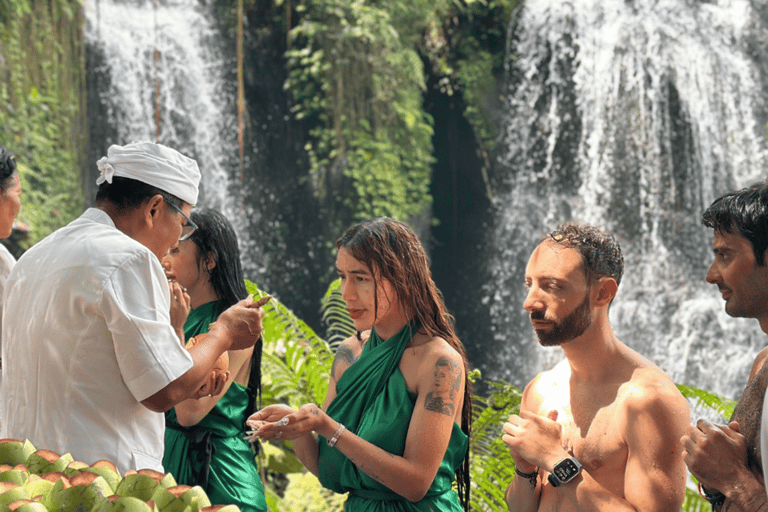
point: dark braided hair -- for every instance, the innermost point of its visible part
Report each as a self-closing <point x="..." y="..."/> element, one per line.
<point x="215" y="238"/>
<point x="395" y="250"/>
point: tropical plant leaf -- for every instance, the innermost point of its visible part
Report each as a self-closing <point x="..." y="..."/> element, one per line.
<point x="296" y="362"/>
<point x="336" y="316"/>
<point x="491" y="467"/>
<point x="722" y="405"/>
<point x="694" y="502"/>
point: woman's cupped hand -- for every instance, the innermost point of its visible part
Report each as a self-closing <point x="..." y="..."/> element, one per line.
<point x="280" y="421"/>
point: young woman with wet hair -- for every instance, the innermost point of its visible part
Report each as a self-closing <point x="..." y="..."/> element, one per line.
<point x="393" y="430"/>
<point x="203" y="438"/>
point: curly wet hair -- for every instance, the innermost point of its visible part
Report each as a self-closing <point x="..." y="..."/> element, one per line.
<point x="600" y="252"/>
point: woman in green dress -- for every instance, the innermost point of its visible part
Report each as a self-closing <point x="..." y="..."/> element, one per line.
<point x="393" y="429"/>
<point x="204" y="438"/>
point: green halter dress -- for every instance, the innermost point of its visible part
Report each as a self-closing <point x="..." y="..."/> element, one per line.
<point x="374" y="402"/>
<point x="212" y="453"/>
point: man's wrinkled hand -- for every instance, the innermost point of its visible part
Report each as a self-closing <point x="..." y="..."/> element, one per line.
<point x="242" y="323"/>
<point x="715" y="454"/>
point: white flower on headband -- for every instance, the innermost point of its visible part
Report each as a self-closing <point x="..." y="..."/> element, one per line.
<point x="107" y="171"/>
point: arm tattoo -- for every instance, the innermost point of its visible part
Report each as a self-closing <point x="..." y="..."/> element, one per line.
<point x="445" y="386"/>
<point x="345" y="358"/>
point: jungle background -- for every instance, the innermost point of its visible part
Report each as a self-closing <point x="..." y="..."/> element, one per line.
<point x="346" y="110"/>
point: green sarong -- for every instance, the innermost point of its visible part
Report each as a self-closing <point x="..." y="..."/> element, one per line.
<point x="214" y="450"/>
<point x="373" y="401"/>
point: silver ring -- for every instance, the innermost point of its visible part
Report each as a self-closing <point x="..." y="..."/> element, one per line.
<point x="279" y="434"/>
<point x="175" y="298"/>
<point x="282" y="422"/>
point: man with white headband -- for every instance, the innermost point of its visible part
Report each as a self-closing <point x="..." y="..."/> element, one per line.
<point x="92" y="359"/>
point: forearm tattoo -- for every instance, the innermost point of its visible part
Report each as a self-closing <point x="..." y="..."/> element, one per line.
<point x="345" y="358"/>
<point x="445" y="387"/>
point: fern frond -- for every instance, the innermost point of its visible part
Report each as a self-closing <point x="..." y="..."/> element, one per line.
<point x="491" y="467"/>
<point x="336" y="316"/>
<point x="722" y="405"/>
<point x="296" y="364"/>
<point x="694" y="502"/>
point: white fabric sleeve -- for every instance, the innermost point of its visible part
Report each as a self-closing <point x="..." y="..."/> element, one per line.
<point x="136" y="304"/>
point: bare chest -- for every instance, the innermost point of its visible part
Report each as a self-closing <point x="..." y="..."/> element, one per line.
<point x="592" y="430"/>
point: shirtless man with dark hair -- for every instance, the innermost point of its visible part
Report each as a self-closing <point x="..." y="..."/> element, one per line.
<point x="726" y="459"/>
<point x="601" y="430"/>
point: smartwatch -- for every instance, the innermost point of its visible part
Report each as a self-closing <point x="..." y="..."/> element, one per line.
<point x="564" y="471"/>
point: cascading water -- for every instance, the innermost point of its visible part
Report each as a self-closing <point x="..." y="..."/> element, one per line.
<point x="173" y="52"/>
<point x="633" y="116"/>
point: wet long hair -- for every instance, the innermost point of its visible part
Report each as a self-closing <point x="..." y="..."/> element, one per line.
<point x="215" y="238"/>
<point x="392" y="251"/>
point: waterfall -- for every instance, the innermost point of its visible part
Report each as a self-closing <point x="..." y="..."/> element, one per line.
<point x="633" y="116"/>
<point x="176" y="49"/>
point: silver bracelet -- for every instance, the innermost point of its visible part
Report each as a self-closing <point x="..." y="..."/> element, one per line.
<point x="332" y="441"/>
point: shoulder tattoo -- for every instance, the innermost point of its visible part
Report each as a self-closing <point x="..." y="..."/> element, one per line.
<point x="446" y="383"/>
<point x="345" y="358"/>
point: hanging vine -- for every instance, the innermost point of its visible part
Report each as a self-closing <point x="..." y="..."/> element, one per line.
<point x="357" y="81"/>
<point x="42" y="87"/>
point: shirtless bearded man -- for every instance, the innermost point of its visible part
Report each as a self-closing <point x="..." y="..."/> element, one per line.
<point x="600" y="431"/>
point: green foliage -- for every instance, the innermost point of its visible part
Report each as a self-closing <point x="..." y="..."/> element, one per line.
<point x="467" y="51"/>
<point x="357" y="83"/>
<point x="303" y="485"/>
<point x="491" y="466"/>
<point x="722" y="405"/>
<point x="335" y="316"/>
<point x="297" y="363"/>
<point x="296" y="367"/>
<point x="694" y="502"/>
<point x="41" y="75"/>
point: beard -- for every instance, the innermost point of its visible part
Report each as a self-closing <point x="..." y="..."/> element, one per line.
<point x="569" y="328"/>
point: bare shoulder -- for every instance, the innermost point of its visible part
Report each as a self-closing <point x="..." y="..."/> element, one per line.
<point x="548" y="386"/>
<point x="431" y="351"/>
<point x="759" y="361"/>
<point x="651" y="391"/>
<point x="347" y="354"/>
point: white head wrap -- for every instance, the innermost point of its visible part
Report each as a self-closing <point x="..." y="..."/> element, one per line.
<point x="153" y="164"/>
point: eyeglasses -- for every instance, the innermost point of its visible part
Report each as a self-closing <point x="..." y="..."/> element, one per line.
<point x="188" y="228"/>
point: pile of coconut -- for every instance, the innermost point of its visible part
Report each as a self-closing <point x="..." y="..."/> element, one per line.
<point x="34" y="480"/>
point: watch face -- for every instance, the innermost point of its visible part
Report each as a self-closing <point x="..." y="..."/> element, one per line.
<point x="565" y="470"/>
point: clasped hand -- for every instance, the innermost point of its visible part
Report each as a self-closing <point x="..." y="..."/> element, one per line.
<point x="715" y="454"/>
<point x="534" y="439"/>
